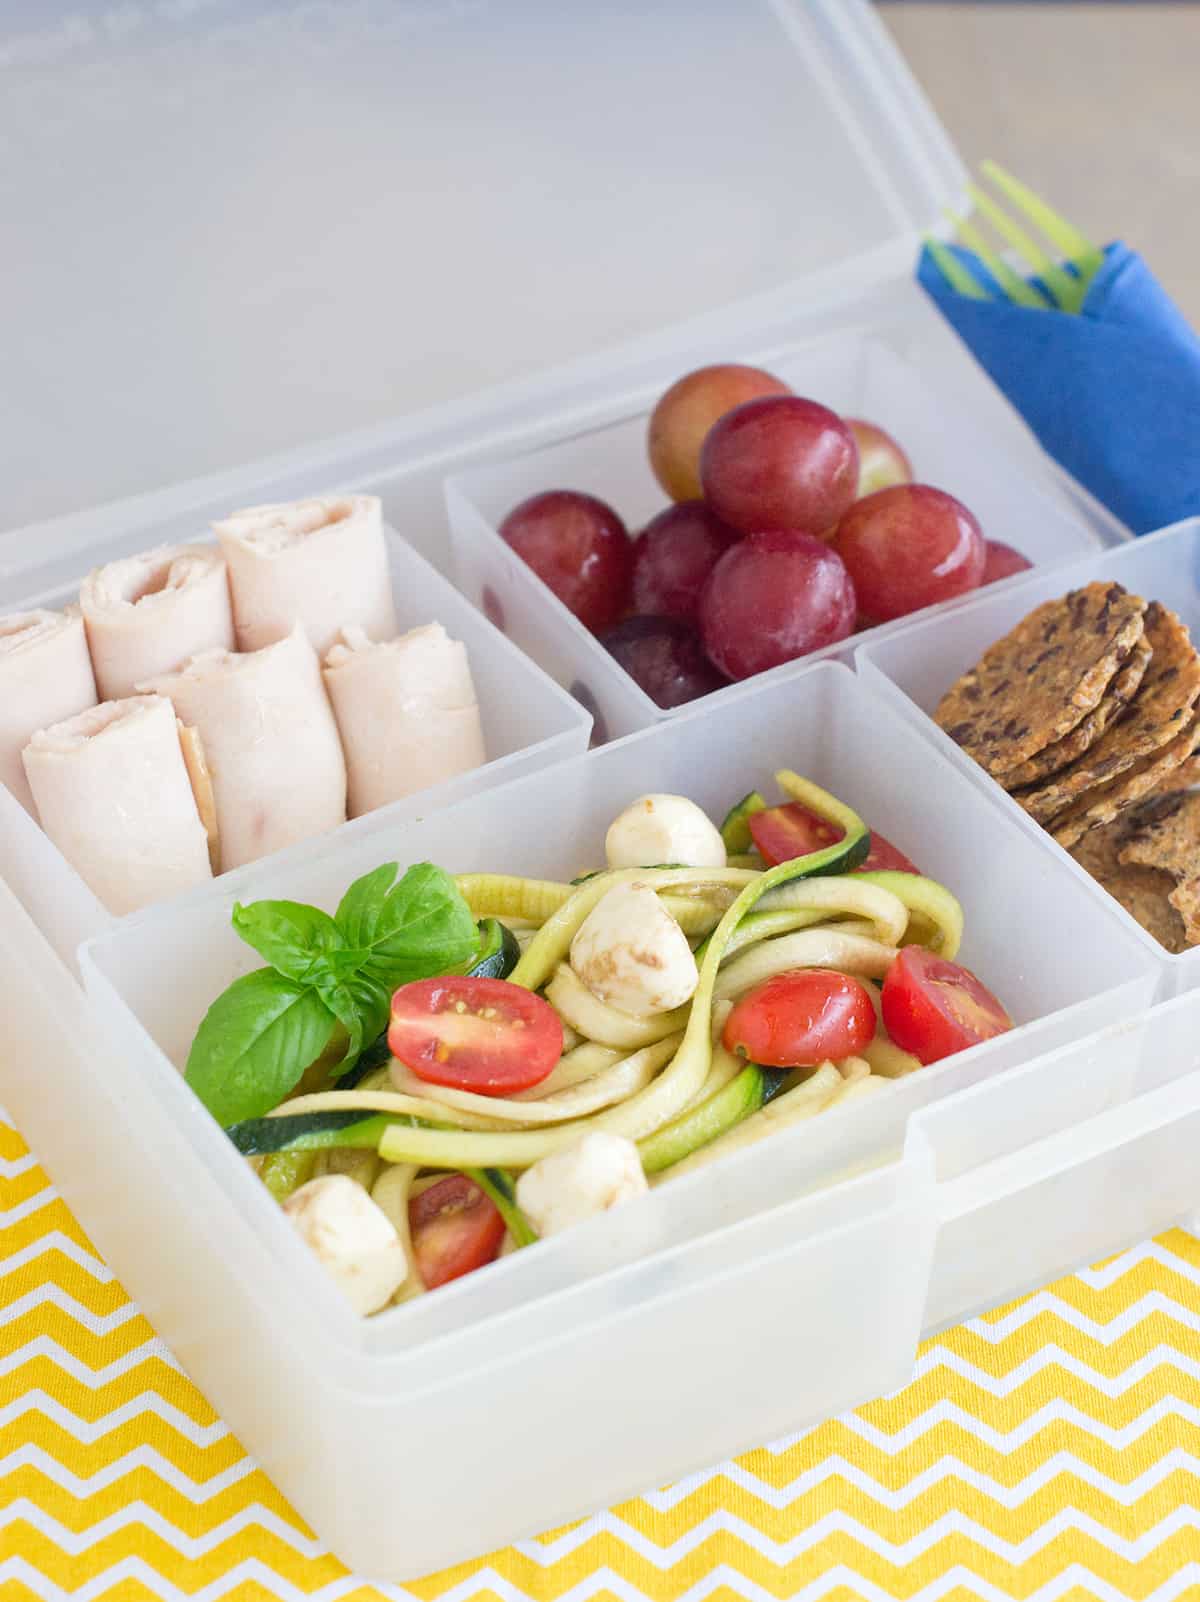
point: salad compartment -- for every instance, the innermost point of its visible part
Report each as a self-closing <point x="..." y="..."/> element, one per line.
<point x="913" y="668"/>
<point x="876" y="373"/>
<point x="528" y="722"/>
<point x="615" y="1329"/>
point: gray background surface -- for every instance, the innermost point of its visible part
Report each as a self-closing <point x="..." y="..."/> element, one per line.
<point x="1096" y="106"/>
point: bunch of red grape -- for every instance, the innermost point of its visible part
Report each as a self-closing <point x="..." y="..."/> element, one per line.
<point x="791" y="528"/>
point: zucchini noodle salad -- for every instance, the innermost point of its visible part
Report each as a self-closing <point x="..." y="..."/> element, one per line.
<point x="449" y="1068"/>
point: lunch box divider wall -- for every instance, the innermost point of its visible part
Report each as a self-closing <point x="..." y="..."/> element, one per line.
<point x="915" y="666"/>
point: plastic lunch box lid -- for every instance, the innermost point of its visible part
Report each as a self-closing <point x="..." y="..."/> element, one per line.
<point x="237" y="227"/>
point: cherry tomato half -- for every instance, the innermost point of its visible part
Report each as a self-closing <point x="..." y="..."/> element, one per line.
<point x="455" y="1228"/>
<point x="475" y="1034"/>
<point x="781" y="833"/>
<point x="799" y="1019"/>
<point x="933" y="1008"/>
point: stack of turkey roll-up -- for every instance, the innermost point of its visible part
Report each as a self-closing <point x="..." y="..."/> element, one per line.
<point x="205" y="705"/>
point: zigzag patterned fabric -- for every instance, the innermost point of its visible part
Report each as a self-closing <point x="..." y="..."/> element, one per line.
<point x="1048" y="1451"/>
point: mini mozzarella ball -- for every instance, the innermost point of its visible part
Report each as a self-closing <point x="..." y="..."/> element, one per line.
<point x="664" y="828"/>
<point x="353" y="1239"/>
<point x="630" y="952"/>
<point x="592" y="1177"/>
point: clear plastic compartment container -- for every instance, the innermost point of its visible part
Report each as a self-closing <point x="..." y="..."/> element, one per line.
<point x="874" y="374"/>
<point x="624" y="1318"/>
<point x="913" y="668"/>
<point x="528" y="721"/>
<point x="416" y="292"/>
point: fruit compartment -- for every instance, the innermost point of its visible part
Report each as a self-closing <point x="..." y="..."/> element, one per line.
<point x="527" y="722"/>
<point x="860" y="374"/>
<point x="837" y="1215"/>
<point x="913" y="668"/>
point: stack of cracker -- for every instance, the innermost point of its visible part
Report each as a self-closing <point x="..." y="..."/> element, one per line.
<point x="1086" y="713"/>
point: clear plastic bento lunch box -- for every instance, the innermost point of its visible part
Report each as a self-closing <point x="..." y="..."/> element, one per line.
<point x="466" y="197"/>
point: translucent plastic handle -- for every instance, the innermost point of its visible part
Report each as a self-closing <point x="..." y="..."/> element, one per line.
<point x="1062" y="1163"/>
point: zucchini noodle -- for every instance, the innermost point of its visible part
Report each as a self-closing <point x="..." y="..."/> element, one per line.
<point x="383" y="1101"/>
<point x="390" y="1193"/>
<point x="805" y="1101"/>
<point x="932" y="900"/>
<point x="601" y="1090"/>
<point x="574" y="1067"/>
<point x="598" y="1021"/>
<point x="887" y="1060"/>
<point x="856" y="894"/>
<point x="811" y="948"/>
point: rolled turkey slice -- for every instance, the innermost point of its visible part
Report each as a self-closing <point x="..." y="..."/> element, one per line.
<point x="113" y="792"/>
<point x="321" y="564"/>
<point x="45" y="676"/>
<point x="406" y="710"/>
<point x="147" y="614"/>
<point x="270" y="743"/>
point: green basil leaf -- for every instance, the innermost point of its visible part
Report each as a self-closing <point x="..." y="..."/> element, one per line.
<point x="361" y="907"/>
<point x="374" y="1000"/>
<point x="343" y="1004"/>
<point x="295" y="939"/>
<point x="423" y="928"/>
<point x="254" y="1044"/>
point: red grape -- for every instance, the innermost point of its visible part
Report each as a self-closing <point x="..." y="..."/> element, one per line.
<point x="579" y="548"/>
<point x="1002" y="562"/>
<point x="781" y="462"/>
<point x="909" y="546"/>
<point x="774" y="596"/>
<point x="665" y="657"/>
<point x="672" y="557"/>
<point x="688" y="410"/>
<point x="881" y="462"/>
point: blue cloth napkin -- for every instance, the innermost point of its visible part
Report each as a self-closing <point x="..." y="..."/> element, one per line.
<point x="1112" y="392"/>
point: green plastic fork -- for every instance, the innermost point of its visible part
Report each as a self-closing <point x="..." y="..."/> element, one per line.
<point x="1059" y="286"/>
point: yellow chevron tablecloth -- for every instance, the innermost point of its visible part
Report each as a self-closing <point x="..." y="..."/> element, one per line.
<point x="1050" y="1450"/>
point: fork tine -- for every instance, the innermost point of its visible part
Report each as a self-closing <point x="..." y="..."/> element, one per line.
<point x="1062" y="287"/>
<point x="1075" y="246"/>
<point x="956" y="273"/>
<point x="1013" y="285"/>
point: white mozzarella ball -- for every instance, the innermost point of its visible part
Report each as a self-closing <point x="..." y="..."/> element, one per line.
<point x="658" y="829"/>
<point x="589" y="1178"/>
<point x="630" y="952"/>
<point x="353" y="1239"/>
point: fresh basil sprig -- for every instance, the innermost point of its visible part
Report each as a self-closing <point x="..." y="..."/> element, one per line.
<point x="260" y="1035"/>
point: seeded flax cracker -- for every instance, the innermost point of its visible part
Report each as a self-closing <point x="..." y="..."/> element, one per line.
<point x="1166" y="838"/>
<point x="1185" y="777"/>
<point x="1061" y="753"/>
<point x="1143" y="892"/>
<point x="1104" y="803"/>
<point x="1041" y="680"/>
<point x="1162" y="707"/>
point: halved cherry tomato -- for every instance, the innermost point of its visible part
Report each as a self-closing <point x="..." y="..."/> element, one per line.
<point x="799" y="1019"/>
<point x="455" y="1228"/>
<point x="475" y="1034"/>
<point x="933" y="1008"/>
<point x="781" y="833"/>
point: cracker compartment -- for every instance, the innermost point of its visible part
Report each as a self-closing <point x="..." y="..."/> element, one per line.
<point x="916" y="667"/>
